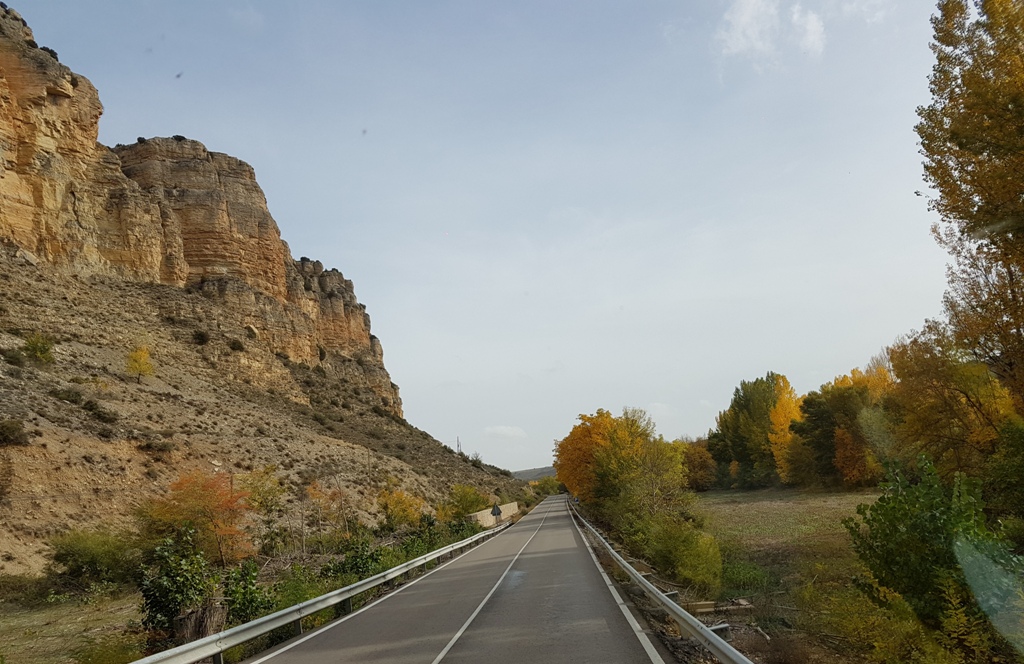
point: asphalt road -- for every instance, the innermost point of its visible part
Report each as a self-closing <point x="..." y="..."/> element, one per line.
<point x="534" y="593"/>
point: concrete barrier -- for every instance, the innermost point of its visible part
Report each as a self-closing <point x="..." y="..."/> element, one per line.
<point x="486" y="519"/>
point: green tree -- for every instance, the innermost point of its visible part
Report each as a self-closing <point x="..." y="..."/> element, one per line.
<point x="741" y="442"/>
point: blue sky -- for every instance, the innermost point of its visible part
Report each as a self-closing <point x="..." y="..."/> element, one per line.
<point x="554" y="207"/>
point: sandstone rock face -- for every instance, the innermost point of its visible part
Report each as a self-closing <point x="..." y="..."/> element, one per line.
<point x="62" y="195"/>
<point x="163" y="210"/>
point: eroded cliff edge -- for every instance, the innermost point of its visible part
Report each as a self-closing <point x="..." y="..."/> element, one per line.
<point x="162" y="210"/>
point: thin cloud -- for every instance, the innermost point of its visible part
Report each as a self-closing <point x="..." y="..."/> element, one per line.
<point x="750" y="27"/>
<point x="810" y="30"/>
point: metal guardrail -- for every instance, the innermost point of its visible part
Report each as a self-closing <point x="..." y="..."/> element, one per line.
<point x="215" y="644"/>
<point x="687" y="623"/>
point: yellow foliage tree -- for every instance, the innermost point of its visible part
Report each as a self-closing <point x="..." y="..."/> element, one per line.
<point x="399" y="509"/>
<point x="575" y="464"/>
<point x="462" y="500"/>
<point x="785" y="411"/>
<point x="139" y="363"/>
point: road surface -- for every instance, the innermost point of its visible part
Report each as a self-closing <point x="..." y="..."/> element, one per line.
<point x="534" y="593"/>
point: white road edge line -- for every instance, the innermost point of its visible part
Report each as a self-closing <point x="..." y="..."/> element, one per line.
<point x="338" y="621"/>
<point x="640" y="634"/>
<point x="462" y="630"/>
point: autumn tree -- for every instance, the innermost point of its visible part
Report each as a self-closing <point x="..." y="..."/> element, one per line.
<point x="970" y="133"/>
<point x="972" y="139"/>
<point x="946" y="404"/>
<point x="138" y="363"/>
<point x="462" y="500"/>
<point x="784" y="412"/>
<point x="701" y="469"/>
<point x="399" y="509"/>
<point x="208" y="504"/>
<point x="837" y="433"/>
<point x="636" y="483"/>
<point x="575" y="454"/>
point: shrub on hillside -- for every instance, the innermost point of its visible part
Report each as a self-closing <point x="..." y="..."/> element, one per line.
<point x="100" y="413"/>
<point x="83" y="557"/>
<point x="69" y="394"/>
<point x="12" y="432"/>
<point x="14" y="357"/>
<point x="39" y="348"/>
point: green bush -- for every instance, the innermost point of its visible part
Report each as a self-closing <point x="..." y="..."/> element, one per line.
<point x="69" y="394"/>
<point x="100" y="413"/>
<point x="84" y="557"/>
<point x="39" y="348"/>
<point x="686" y="555"/>
<point x="908" y="539"/>
<point x="179" y="579"/>
<point x="12" y="432"/>
<point x="246" y="599"/>
<point x="297" y="585"/>
<point x="743" y="577"/>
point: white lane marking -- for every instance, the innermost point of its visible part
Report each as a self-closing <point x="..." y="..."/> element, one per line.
<point x="640" y="634"/>
<point x="463" y="629"/>
<point x="338" y="621"/>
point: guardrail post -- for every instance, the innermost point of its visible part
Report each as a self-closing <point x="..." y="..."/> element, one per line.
<point x="218" y="658"/>
<point x="346" y="605"/>
<point x="297" y="627"/>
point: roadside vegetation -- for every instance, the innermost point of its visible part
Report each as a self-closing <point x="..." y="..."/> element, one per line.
<point x="213" y="553"/>
<point x="928" y="566"/>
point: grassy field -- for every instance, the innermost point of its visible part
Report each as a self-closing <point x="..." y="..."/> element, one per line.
<point x="779" y="533"/>
<point x="61" y="633"/>
<point x="788" y="552"/>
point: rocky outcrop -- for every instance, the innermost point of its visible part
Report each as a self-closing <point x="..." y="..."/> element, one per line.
<point x="62" y="195"/>
<point x="162" y="210"/>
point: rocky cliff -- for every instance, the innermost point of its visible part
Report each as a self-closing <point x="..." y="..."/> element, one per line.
<point x="259" y="361"/>
<point x="162" y="210"/>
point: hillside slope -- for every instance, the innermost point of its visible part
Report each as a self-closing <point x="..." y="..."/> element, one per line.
<point x="259" y="359"/>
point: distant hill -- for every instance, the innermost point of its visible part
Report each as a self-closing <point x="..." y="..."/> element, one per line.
<point x="534" y="473"/>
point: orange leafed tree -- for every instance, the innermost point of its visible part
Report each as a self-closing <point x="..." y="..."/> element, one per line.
<point x="575" y="455"/>
<point x="209" y="504"/>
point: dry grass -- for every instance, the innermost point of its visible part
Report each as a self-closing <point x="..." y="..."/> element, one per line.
<point x="774" y="542"/>
<point x="51" y="634"/>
